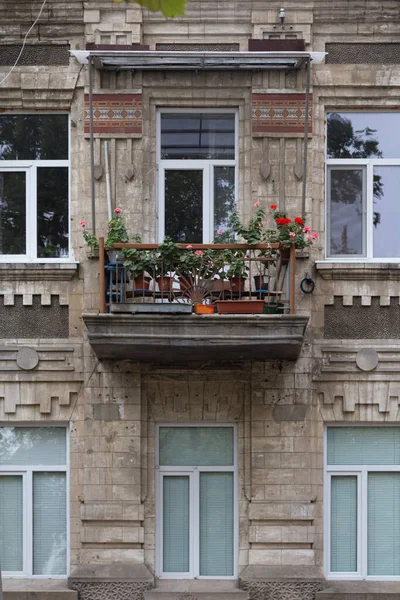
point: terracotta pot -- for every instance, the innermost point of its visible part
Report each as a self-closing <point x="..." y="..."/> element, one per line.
<point x="204" y="309"/>
<point x="220" y="285"/>
<point x="261" y="282"/>
<point x="185" y="283"/>
<point x="240" y="307"/>
<point x="141" y="282"/>
<point x="164" y="283"/>
<point x="237" y="284"/>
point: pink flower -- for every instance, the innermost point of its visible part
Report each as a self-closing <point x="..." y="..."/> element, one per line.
<point x="308" y="239"/>
<point x="314" y="235"/>
<point x="117" y="210"/>
<point x="189" y="247"/>
<point x="306" y="229"/>
<point x="199" y="253"/>
<point x="220" y="232"/>
<point x="256" y="203"/>
<point x="292" y="234"/>
<point x="83" y="223"/>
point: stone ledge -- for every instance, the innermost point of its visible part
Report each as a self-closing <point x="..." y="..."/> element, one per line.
<point x="111" y="572"/>
<point x="360" y="590"/>
<point x="38" y="271"/>
<point x="38" y="589"/>
<point x="358" y="271"/>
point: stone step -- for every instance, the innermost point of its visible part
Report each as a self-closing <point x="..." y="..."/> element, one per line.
<point x="195" y="595"/>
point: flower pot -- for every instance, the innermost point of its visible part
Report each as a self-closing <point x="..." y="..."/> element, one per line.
<point x="113" y="255"/>
<point x="240" y="307"/>
<point x="164" y="283"/>
<point x="261" y="283"/>
<point x="185" y="282"/>
<point x="141" y="282"/>
<point x="204" y="309"/>
<point x="220" y="285"/>
<point x="237" y="284"/>
<point x="284" y="254"/>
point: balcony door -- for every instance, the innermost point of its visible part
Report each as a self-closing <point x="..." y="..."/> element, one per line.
<point x="196" y="533"/>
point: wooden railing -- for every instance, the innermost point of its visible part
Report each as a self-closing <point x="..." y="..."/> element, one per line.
<point x="201" y="273"/>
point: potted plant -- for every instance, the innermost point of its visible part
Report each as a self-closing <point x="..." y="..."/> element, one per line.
<point x="117" y="234"/>
<point x="165" y="263"/>
<point x="90" y="239"/>
<point x="140" y="264"/>
<point x="237" y="271"/>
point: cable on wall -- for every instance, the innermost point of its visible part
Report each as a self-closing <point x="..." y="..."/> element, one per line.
<point x="23" y="43"/>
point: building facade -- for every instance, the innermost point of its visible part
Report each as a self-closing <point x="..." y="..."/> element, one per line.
<point x="146" y="455"/>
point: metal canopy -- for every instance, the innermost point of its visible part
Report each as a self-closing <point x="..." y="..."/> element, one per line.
<point x="128" y="60"/>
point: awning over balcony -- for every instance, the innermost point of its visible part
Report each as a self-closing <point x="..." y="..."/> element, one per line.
<point x="133" y="60"/>
<point x="172" y="339"/>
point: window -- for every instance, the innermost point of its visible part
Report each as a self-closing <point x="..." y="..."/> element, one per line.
<point x="34" y="187"/>
<point x="33" y="501"/>
<point x="363" y="179"/>
<point x="362" y="503"/>
<point x="196" y="502"/>
<point x="197" y="175"/>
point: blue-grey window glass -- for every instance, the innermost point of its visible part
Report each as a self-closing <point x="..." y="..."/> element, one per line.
<point x="176" y="524"/>
<point x="346" y="211"/>
<point x="198" y="136"/>
<point x="343" y="524"/>
<point x="196" y="446"/>
<point x="21" y="446"/>
<point x="364" y="446"/>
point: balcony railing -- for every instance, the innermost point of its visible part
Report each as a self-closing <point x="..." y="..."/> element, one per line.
<point x="203" y="274"/>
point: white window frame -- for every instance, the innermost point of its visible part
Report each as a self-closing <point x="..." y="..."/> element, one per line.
<point x="194" y="508"/>
<point x="361" y="472"/>
<point x="30" y="168"/>
<point x="207" y="166"/>
<point x="27" y="471"/>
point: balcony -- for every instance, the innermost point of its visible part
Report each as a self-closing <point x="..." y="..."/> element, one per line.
<point x="218" y="302"/>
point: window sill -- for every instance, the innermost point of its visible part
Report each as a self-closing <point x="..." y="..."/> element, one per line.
<point x="38" y="271"/>
<point x="358" y="271"/>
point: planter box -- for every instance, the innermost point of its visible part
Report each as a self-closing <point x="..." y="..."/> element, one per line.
<point x="240" y="307"/>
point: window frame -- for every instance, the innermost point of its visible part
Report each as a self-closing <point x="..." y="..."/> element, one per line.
<point x="30" y="167"/>
<point x="27" y="471"/>
<point x="194" y="164"/>
<point x="361" y="472"/>
<point x="368" y="165"/>
<point x="194" y="505"/>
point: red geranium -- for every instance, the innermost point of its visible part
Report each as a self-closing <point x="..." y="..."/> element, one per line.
<point x="299" y="220"/>
<point x="273" y="206"/>
<point x="282" y="221"/>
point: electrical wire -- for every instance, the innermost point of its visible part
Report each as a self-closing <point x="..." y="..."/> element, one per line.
<point x="23" y="43"/>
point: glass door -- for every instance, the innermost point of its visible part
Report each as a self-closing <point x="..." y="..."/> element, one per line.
<point x="11" y="523"/>
<point x="196" y="505"/>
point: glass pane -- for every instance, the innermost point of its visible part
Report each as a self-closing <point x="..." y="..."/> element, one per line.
<point x="12" y="212"/>
<point x="196" y="446"/>
<point x="198" y="136"/>
<point x="344" y="524"/>
<point x="364" y="446"/>
<point x="176" y="524"/>
<point x="49" y="524"/>
<point x="11" y="528"/>
<point x="216" y="524"/>
<point x="383" y="524"/>
<point x="346" y="211"/>
<point x="224" y="202"/>
<point x="33" y="446"/>
<point x="363" y="135"/>
<point x="386" y="212"/>
<point x="184" y="205"/>
<point x="52" y="212"/>
<point x="33" y="137"/>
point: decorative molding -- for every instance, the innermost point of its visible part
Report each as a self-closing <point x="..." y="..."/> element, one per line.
<point x="362" y="271"/>
<point x="281" y="115"/>
<point x="287" y="590"/>
<point x="38" y="271"/>
<point x="114" y="114"/>
<point x="110" y="590"/>
<point x="54" y="377"/>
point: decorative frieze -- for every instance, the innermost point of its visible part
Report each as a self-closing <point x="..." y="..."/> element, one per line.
<point x="114" y="114"/>
<point x="281" y="115"/>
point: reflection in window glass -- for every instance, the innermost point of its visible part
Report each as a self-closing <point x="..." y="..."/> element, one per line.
<point x="363" y="135"/>
<point x="33" y="137"/>
<point x="11" y="523"/>
<point x="224" y="201"/>
<point x="184" y="205"/>
<point x="346" y="211"/>
<point x="12" y="212"/>
<point x="386" y="219"/>
<point x="52" y="212"/>
<point x="33" y="446"/>
<point x="197" y="136"/>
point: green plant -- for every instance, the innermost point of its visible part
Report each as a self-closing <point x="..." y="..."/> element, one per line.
<point x="168" y="253"/>
<point x="138" y="262"/>
<point x="117" y="232"/>
<point x="90" y="239"/>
